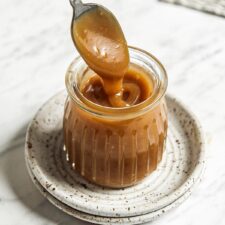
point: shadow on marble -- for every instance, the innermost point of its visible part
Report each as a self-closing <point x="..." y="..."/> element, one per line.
<point x="19" y="181"/>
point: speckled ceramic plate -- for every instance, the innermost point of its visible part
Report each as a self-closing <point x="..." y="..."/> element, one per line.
<point x="108" y="220"/>
<point x="181" y="166"/>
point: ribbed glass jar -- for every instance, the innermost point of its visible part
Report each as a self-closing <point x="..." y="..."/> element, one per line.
<point x="115" y="147"/>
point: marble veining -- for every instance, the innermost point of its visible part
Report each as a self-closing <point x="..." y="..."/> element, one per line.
<point x="36" y="50"/>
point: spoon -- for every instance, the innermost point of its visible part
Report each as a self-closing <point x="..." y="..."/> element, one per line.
<point x="99" y="39"/>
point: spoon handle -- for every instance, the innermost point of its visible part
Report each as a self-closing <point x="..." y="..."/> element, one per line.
<point x="79" y="8"/>
<point x="75" y="2"/>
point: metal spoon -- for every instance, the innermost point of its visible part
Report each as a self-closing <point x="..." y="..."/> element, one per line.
<point x="100" y="41"/>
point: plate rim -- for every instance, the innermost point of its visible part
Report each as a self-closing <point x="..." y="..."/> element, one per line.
<point x="138" y="219"/>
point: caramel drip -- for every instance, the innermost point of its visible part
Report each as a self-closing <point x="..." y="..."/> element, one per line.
<point x="101" y="42"/>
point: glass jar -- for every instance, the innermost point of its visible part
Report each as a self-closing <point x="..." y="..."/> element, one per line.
<point x="115" y="147"/>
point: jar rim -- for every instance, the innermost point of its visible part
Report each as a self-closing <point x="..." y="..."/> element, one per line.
<point x="113" y="112"/>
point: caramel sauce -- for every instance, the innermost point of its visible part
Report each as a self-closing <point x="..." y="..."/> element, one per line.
<point x="101" y="42"/>
<point x="114" y="153"/>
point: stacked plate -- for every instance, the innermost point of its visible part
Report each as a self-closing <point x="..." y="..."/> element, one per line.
<point x="173" y="181"/>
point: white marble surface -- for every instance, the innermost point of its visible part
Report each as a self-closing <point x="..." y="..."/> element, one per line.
<point x="35" y="50"/>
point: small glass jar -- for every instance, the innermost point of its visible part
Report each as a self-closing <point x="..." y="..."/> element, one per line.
<point x="115" y="147"/>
